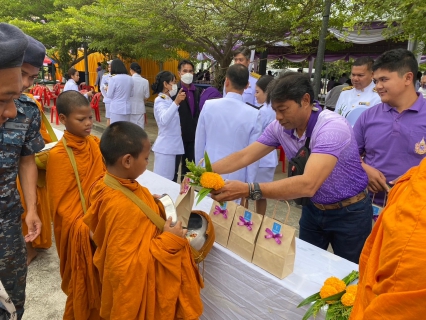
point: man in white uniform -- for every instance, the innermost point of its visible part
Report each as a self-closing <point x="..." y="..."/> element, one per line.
<point x="229" y="124"/>
<point x="104" y="87"/>
<point x="362" y="92"/>
<point x="140" y="95"/>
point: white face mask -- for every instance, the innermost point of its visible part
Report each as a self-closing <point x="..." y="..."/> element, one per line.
<point x="187" y="78"/>
<point x="173" y="91"/>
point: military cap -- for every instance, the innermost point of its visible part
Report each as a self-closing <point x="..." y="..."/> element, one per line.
<point x="13" y="43"/>
<point x="35" y="53"/>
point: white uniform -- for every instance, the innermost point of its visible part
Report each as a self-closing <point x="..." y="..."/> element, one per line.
<point x="120" y="89"/>
<point x="249" y="93"/>
<point x="351" y="98"/>
<point x="225" y="126"/>
<point x="268" y="163"/>
<point x="72" y="86"/>
<point x="137" y="102"/>
<point x="169" y="139"/>
<point x="104" y="85"/>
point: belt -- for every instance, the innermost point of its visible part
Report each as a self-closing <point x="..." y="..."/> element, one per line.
<point x="347" y="202"/>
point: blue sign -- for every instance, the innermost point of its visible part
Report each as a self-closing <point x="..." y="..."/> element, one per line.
<point x="276" y="228"/>
<point x="247" y="216"/>
<point x="223" y="205"/>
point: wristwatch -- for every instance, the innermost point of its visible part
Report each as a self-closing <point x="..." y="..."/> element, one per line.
<point x="255" y="193"/>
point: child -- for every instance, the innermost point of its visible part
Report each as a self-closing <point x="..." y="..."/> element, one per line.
<point x="145" y="273"/>
<point x="80" y="281"/>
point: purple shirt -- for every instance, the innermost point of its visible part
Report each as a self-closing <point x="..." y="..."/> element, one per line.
<point x="332" y="135"/>
<point x="189" y="96"/>
<point x="392" y="142"/>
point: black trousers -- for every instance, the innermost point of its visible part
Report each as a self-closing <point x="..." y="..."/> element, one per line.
<point x="180" y="159"/>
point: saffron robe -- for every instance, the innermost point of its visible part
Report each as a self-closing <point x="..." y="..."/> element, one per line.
<point x="145" y="274"/>
<point x="80" y="281"/>
<point x="392" y="284"/>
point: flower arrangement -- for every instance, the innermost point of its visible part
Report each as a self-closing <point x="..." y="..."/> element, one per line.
<point x="337" y="294"/>
<point x="203" y="177"/>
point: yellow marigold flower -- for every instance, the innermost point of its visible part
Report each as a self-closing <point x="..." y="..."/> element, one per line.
<point x="336" y="283"/>
<point x="328" y="291"/>
<point x="211" y="180"/>
<point x="348" y="299"/>
<point x="352" y="289"/>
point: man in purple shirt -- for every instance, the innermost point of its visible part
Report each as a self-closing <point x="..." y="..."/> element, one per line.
<point x="391" y="135"/>
<point x="339" y="211"/>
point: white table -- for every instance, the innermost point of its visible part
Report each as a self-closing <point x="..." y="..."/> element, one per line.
<point x="236" y="289"/>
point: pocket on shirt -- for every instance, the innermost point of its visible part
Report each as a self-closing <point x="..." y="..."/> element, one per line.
<point x="14" y="137"/>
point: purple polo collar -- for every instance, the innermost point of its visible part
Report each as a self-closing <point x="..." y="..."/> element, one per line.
<point x="191" y="87"/>
<point x="311" y="123"/>
<point x="415" y="107"/>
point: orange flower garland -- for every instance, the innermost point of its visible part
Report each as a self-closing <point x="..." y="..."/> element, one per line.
<point x="211" y="180"/>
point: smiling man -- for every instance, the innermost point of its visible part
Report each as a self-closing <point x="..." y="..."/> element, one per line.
<point x="362" y="92"/>
<point x="339" y="210"/>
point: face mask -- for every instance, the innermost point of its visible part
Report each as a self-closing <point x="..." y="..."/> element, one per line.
<point x="187" y="78"/>
<point x="173" y="91"/>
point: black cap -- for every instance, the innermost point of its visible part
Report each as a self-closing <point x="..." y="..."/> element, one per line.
<point x="13" y="43"/>
<point x="136" y="67"/>
<point x="35" y="53"/>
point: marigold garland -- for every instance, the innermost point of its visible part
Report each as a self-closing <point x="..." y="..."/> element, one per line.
<point x="348" y="299"/>
<point x="211" y="180"/>
<point x="352" y="289"/>
<point x="328" y="291"/>
<point x="336" y="283"/>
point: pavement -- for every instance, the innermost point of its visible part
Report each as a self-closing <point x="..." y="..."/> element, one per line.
<point x="45" y="299"/>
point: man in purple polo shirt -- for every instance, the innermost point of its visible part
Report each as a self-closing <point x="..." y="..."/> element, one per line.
<point x="340" y="211"/>
<point x="391" y="135"/>
<point x="189" y="111"/>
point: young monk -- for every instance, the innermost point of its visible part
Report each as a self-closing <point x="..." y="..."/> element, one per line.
<point x="146" y="273"/>
<point x="80" y="281"/>
<point x="392" y="284"/>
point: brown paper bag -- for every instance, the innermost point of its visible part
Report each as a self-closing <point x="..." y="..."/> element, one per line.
<point x="244" y="232"/>
<point x="183" y="204"/>
<point x="276" y="247"/>
<point x="222" y="217"/>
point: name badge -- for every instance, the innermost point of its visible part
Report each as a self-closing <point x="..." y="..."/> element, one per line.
<point x="16" y="126"/>
<point x="247" y="216"/>
<point x="276" y="228"/>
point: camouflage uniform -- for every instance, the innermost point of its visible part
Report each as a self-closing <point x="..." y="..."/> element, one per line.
<point x="18" y="137"/>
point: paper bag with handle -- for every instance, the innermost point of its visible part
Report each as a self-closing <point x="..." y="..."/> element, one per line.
<point x="276" y="247"/>
<point x="222" y="216"/>
<point x="244" y="230"/>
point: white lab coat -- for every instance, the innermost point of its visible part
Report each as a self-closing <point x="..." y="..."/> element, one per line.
<point x="225" y="126"/>
<point x="249" y="93"/>
<point x="120" y="89"/>
<point x="140" y="93"/>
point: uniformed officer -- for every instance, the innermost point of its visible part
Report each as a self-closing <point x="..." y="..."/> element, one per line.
<point x="362" y="92"/>
<point x="19" y="141"/>
<point x="242" y="56"/>
<point x="104" y="87"/>
<point x="169" y="140"/>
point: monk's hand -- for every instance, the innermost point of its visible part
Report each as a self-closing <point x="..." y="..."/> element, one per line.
<point x="177" y="229"/>
<point x="34" y="226"/>
<point x="232" y="190"/>
<point x="376" y="179"/>
<point x="157" y="196"/>
<point x="184" y="186"/>
<point x="394" y="181"/>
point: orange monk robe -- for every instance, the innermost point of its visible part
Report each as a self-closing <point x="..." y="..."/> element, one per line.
<point x="144" y="274"/>
<point x="392" y="282"/>
<point x="45" y="239"/>
<point x="80" y="281"/>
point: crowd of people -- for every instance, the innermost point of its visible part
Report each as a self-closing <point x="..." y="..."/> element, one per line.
<point x="116" y="264"/>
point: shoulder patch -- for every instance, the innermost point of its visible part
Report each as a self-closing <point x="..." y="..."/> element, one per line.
<point x="374" y="89"/>
<point x="255" y="75"/>
<point x="162" y="96"/>
<point x="253" y="106"/>
<point x="347" y="88"/>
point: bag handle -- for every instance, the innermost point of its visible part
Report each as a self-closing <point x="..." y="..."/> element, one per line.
<point x="288" y="211"/>
<point x="77" y="177"/>
<point x="48" y="127"/>
<point x="159" y="222"/>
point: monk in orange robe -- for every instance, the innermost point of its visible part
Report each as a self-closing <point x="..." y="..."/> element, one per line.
<point x="44" y="241"/>
<point x="145" y="273"/>
<point x="392" y="284"/>
<point x="80" y="281"/>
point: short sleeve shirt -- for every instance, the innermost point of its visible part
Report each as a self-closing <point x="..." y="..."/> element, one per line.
<point x="18" y="137"/>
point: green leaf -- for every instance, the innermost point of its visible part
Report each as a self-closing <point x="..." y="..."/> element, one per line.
<point x="337" y="296"/>
<point x="207" y="162"/>
<point x="313" y="310"/>
<point x="351" y="277"/>
<point x="310" y="299"/>
<point x="202" y="194"/>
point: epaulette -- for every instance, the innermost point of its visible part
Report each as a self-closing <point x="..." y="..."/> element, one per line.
<point x="162" y="96"/>
<point x="255" y="75"/>
<point x="347" y="88"/>
<point x="253" y="106"/>
<point x="374" y="89"/>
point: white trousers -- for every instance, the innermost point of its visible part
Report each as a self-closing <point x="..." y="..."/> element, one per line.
<point x="138" y="119"/>
<point x="265" y="174"/>
<point x="164" y="165"/>
<point x="107" y="112"/>
<point x="119" y="117"/>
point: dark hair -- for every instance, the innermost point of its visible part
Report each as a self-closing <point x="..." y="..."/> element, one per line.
<point x="238" y="74"/>
<point x="118" y="67"/>
<point x="69" y="100"/>
<point x="136" y="67"/>
<point x="290" y="86"/>
<point x="364" y="61"/>
<point x="183" y="62"/>
<point x="349" y="82"/>
<point x="398" y="60"/>
<point x="99" y="64"/>
<point x="244" y="51"/>
<point x="71" y="72"/>
<point x="121" y="138"/>
<point x="158" y="86"/>
<point x="263" y="82"/>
